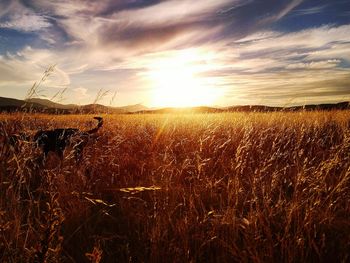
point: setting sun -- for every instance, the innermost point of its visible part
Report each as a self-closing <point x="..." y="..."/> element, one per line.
<point x="178" y="82"/>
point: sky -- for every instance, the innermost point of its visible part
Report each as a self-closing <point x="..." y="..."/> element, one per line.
<point x="177" y="52"/>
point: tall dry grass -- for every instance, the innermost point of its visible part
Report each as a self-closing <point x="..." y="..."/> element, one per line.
<point x="236" y="187"/>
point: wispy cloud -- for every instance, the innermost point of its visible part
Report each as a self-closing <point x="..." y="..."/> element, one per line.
<point x="81" y="94"/>
<point x="18" y="17"/>
<point x="275" y="66"/>
<point x="310" y="10"/>
<point x="26" y="22"/>
<point x="332" y="63"/>
<point x="284" y="11"/>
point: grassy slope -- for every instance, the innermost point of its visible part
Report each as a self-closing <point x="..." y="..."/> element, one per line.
<point x="248" y="187"/>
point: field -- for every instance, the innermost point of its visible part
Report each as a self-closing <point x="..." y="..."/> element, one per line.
<point x="228" y="187"/>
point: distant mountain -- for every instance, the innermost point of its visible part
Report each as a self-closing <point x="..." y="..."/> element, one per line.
<point x="50" y="104"/>
<point x="337" y="106"/>
<point x="251" y="108"/>
<point x="8" y="104"/>
<point x="202" y="109"/>
<point x="47" y="106"/>
<point x="97" y="108"/>
<point x="310" y="107"/>
<point x="90" y="107"/>
<point x="134" y="108"/>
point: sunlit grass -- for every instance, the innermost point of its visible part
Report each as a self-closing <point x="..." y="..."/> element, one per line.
<point x="231" y="187"/>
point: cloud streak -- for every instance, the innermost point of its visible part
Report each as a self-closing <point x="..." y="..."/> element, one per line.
<point x="26" y="22"/>
<point x="18" y="17"/>
<point x="311" y="10"/>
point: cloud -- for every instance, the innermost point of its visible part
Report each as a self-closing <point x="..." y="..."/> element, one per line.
<point x="16" y="16"/>
<point x="284" y="11"/>
<point x="6" y="6"/>
<point x="314" y="38"/>
<point x="310" y="11"/>
<point x="26" y="22"/>
<point x="140" y="29"/>
<point x="15" y="70"/>
<point x="310" y="66"/>
<point x="174" y="12"/>
<point x="332" y="63"/>
<point x="155" y="25"/>
<point x="81" y="93"/>
<point x="291" y="87"/>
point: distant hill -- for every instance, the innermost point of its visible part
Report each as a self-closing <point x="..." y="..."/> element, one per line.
<point x="251" y="108"/>
<point x="337" y="106"/>
<point x="134" y="108"/>
<point x="8" y="104"/>
<point x="47" y="106"/>
<point x="310" y="107"/>
<point x="50" y="104"/>
<point x="202" y="109"/>
<point x="97" y="108"/>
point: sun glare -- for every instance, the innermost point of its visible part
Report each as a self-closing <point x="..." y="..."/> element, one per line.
<point x="178" y="81"/>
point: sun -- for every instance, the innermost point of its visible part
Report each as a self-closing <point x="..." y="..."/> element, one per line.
<point x="178" y="81"/>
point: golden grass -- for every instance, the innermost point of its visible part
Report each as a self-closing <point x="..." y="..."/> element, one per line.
<point x="235" y="187"/>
